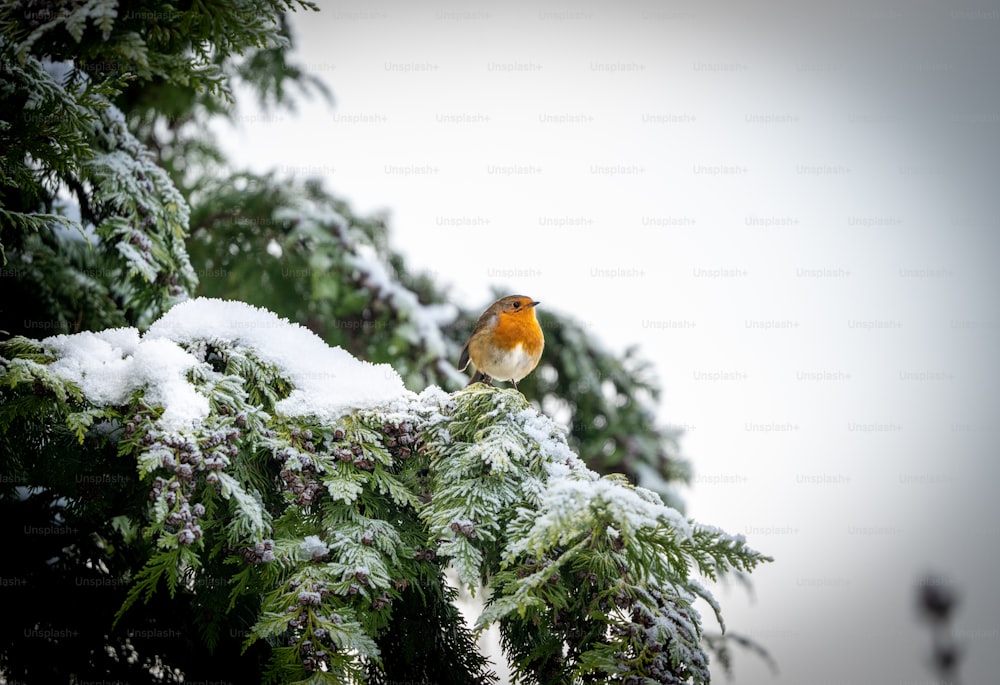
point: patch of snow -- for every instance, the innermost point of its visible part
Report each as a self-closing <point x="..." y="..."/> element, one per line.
<point x="328" y="381"/>
<point x="58" y="71"/>
<point x="572" y="501"/>
<point x="109" y="366"/>
<point x="552" y="441"/>
<point x="312" y="547"/>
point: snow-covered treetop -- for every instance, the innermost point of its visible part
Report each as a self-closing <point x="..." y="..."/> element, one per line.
<point x="330" y="490"/>
<point x="259" y="468"/>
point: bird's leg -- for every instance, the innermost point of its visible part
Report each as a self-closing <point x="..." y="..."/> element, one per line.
<point x="514" y="382"/>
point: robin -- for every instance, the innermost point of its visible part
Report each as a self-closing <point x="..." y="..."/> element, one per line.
<point x="506" y="343"/>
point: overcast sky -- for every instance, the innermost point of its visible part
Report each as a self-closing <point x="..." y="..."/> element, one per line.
<point x="793" y="214"/>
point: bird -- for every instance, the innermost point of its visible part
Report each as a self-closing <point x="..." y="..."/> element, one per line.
<point x="506" y="343"/>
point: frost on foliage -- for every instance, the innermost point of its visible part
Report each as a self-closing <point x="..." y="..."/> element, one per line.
<point x="70" y="141"/>
<point x="422" y="324"/>
<point x="127" y="207"/>
<point x="254" y="23"/>
<point x="337" y="245"/>
<point x="574" y="551"/>
<point x="190" y="421"/>
<point x="339" y="496"/>
<point x="59" y="124"/>
<point x="572" y="506"/>
<point x="99" y="13"/>
<point x="142" y="214"/>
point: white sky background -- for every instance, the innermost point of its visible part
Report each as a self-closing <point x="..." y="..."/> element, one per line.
<point x="877" y="275"/>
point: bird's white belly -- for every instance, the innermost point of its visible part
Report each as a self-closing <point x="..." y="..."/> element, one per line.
<point x="513" y="365"/>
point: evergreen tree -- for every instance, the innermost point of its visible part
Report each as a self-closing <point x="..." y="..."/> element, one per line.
<point x="181" y="506"/>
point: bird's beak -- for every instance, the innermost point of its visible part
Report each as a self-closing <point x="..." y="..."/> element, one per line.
<point x="533" y="304"/>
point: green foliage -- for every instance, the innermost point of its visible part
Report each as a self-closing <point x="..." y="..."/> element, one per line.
<point x="189" y="44"/>
<point x="295" y="249"/>
<point x="45" y="122"/>
<point x="608" y="402"/>
<point x="293" y="548"/>
<point x="62" y="136"/>
<point x="327" y="528"/>
<point x="589" y="566"/>
<point x="287" y="245"/>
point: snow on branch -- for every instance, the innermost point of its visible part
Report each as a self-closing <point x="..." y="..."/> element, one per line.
<point x="337" y="499"/>
<point x="337" y="245"/>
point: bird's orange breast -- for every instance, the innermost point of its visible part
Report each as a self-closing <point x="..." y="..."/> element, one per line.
<point x="521" y="328"/>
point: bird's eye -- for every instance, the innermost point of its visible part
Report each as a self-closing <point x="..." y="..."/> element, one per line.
<point x="517" y="305"/>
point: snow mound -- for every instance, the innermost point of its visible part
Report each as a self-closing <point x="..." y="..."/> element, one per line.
<point x="109" y="366"/>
